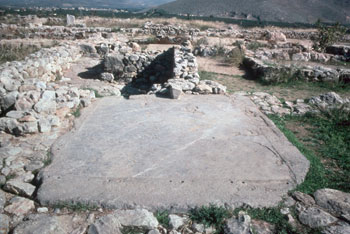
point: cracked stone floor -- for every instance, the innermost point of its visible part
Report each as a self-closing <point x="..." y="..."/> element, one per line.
<point x="160" y="153"/>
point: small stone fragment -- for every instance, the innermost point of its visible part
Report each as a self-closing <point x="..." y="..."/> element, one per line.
<point x="176" y="221"/>
<point x="136" y="218"/>
<point x="106" y="224"/>
<point x="42" y="210"/>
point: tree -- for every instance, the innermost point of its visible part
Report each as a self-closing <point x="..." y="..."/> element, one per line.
<point x="327" y="35"/>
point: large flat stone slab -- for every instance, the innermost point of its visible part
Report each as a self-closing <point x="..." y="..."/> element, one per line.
<point x="160" y="153"/>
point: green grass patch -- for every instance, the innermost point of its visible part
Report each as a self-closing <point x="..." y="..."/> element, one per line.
<point x="204" y="75"/>
<point x="210" y="216"/>
<point x="329" y="151"/>
<point x="315" y="178"/>
<point x="272" y="216"/>
<point x="163" y="218"/>
<point x="315" y="86"/>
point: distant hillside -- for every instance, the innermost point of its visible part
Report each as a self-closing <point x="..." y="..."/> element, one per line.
<point x="85" y="3"/>
<point x="305" y="11"/>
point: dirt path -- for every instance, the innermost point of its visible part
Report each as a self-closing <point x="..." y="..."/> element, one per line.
<point x="215" y="65"/>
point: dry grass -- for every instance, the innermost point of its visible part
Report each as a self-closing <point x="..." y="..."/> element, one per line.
<point x="10" y="53"/>
<point x="19" y="51"/>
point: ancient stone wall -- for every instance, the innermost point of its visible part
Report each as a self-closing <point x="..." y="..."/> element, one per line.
<point x="29" y="99"/>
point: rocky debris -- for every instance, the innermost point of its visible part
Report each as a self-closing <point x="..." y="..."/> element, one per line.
<point x="47" y="224"/>
<point x="89" y="50"/>
<point x="2" y="200"/>
<point x="327" y="210"/>
<point x="270" y="104"/>
<point x="112" y="223"/>
<point x="261" y="227"/>
<point x="175" y="91"/>
<point x="334" y="201"/>
<point x="270" y="72"/>
<point x="170" y="73"/>
<point x="315" y="217"/>
<point x="275" y="37"/>
<point x="240" y="225"/>
<point x="337" y="229"/>
<point x="305" y="199"/>
<point x="212" y="51"/>
<point x="136" y="218"/>
<point x="328" y="100"/>
<point x="20" y="188"/>
<point x="19" y="206"/>
<point x="30" y="99"/>
<point x="176" y="221"/>
<point x="4" y="224"/>
<point x="105" y="224"/>
<point x="106" y="76"/>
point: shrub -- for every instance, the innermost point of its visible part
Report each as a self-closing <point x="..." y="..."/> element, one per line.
<point x="327" y="35"/>
<point x="201" y="41"/>
<point x="235" y="57"/>
<point x="10" y="53"/>
<point x="254" y="45"/>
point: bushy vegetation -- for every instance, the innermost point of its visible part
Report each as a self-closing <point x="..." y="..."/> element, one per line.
<point x="202" y="41"/>
<point x="10" y="53"/>
<point x="254" y="45"/>
<point x="327" y="35"/>
<point x="210" y="216"/>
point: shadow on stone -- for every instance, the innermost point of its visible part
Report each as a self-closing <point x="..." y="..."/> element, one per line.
<point x="92" y="72"/>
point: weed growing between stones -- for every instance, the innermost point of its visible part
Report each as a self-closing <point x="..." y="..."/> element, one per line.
<point x="75" y="206"/>
<point x="97" y="95"/>
<point x="271" y="215"/>
<point x="132" y="230"/>
<point x="10" y="176"/>
<point x="163" y="218"/>
<point x="48" y="159"/>
<point x="77" y="112"/>
<point x="210" y="216"/>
